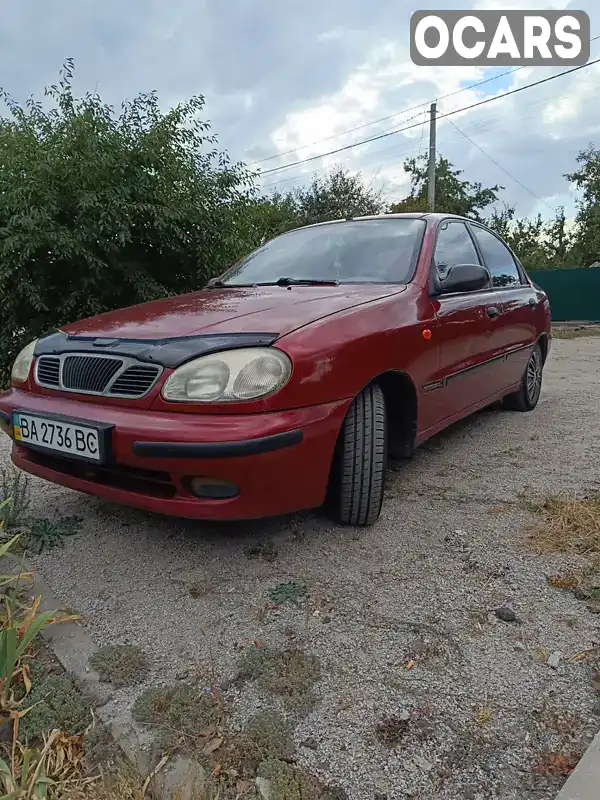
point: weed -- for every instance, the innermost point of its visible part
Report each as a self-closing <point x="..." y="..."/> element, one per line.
<point x="55" y="703"/>
<point x="57" y="764"/>
<point x="558" y="765"/>
<point x="291" y="592"/>
<point x="120" y="664"/>
<point x="264" y="550"/>
<point x="391" y="730"/>
<point x="271" y="734"/>
<point x="99" y="747"/>
<point x="181" y="713"/>
<point x="44" y="534"/>
<point x="289" y="674"/>
<point x="568" y="580"/>
<point x="289" y="782"/>
<point x="14" y="488"/>
<point x="484" y="714"/>
<point x="570" y="524"/>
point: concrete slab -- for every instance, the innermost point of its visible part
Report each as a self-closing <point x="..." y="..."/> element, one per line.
<point x="584" y="781"/>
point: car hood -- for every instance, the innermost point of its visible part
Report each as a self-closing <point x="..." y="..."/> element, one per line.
<point x="274" y="309"/>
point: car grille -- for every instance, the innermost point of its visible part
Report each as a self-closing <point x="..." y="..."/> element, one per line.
<point x="96" y="374"/>
<point x="88" y="374"/>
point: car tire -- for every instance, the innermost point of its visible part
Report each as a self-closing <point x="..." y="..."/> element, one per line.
<point x="358" y="477"/>
<point x="526" y="398"/>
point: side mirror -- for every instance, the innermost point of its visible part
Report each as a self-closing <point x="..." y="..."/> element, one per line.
<point x="465" y="278"/>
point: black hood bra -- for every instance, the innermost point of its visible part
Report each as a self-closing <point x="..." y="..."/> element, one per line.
<point x="168" y="353"/>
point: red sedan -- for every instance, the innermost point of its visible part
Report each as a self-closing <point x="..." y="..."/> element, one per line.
<point x="291" y="379"/>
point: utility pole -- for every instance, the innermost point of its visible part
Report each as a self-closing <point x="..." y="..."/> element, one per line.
<point x="431" y="164"/>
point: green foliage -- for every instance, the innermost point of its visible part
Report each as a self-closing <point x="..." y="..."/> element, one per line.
<point x="15" y="496"/>
<point x="453" y="195"/>
<point x="587" y="231"/>
<point x="289" y="674"/>
<point x="55" y="702"/>
<point x="290" y="782"/>
<point x="337" y="195"/>
<point x="270" y="735"/>
<point x="44" y="534"/>
<point x="120" y="664"/>
<point x="100" y="747"/>
<point x="291" y="592"/>
<point x="538" y="244"/>
<point x="100" y="210"/>
<point x="179" y="712"/>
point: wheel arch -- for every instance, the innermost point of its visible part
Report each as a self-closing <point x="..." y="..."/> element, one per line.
<point x="402" y="407"/>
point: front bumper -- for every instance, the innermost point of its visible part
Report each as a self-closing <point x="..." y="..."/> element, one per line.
<point x="280" y="461"/>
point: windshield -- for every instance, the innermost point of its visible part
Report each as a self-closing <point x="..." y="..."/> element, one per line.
<point x="357" y="251"/>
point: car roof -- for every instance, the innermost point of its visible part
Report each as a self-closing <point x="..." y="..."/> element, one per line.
<point x="427" y="215"/>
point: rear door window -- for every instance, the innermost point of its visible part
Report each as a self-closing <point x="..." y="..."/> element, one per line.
<point x="498" y="259"/>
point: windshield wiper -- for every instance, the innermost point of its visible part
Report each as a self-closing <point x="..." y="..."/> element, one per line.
<point x="216" y="284"/>
<point x="301" y="282"/>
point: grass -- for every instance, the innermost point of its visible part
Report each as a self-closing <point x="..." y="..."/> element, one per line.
<point x="288" y="673"/>
<point x="52" y="747"/>
<point x="264" y="550"/>
<point x="55" y="702"/>
<point x="16" y="490"/>
<point x="291" y="592"/>
<point x="44" y="534"/>
<point x="577" y="332"/>
<point x="181" y="714"/>
<point x="569" y="524"/>
<point x="120" y="664"/>
<point x="391" y="730"/>
<point x="197" y="723"/>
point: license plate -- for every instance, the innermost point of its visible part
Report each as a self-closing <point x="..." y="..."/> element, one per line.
<point x="61" y="436"/>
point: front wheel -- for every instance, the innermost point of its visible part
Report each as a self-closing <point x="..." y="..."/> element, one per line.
<point x="526" y="398"/>
<point x="358" y="476"/>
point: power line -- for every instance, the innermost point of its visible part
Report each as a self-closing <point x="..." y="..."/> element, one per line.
<point x="403" y="147"/>
<point x="384" y="119"/>
<point x="500" y="167"/>
<point x="441" y="116"/>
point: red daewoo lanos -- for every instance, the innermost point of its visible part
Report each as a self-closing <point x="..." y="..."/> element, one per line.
<point x="289" y="380"/>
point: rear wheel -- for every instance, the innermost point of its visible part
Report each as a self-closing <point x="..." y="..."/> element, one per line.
<point x="356" y="490"/>
<point x="526" y="398"/>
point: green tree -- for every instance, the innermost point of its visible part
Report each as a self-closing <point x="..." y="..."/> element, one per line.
<point x="100" y="210"/>
<point x="586" y="240"/>
<point x="539" y="244"/>
<point x="453" y="195"/>
<point x="337" y="195"/>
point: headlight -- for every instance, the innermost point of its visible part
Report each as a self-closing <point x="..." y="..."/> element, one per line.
<point x="232" y="375"/>
<point x="23" y="362"/>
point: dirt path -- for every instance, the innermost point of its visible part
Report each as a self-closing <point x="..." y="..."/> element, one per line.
<point x="486" y="711"/>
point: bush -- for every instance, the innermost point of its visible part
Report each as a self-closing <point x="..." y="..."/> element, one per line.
<point x="100" y="211"/>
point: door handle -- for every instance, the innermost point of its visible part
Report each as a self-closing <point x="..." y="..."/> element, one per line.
<point x="492" y="312"/>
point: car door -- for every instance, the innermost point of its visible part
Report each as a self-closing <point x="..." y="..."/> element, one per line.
<point x="519" y="318"/>
<point x="466" y="330"/>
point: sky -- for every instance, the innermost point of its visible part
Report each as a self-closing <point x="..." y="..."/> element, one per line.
<point x="284" y="81"/>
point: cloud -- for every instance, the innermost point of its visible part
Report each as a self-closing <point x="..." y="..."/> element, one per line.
<point x="282" y="76"/>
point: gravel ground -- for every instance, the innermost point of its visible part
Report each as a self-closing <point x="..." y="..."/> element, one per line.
<point x="485" y="708"/>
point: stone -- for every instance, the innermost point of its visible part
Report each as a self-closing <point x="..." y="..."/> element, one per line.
<point x="423" y="763"/>
<point x="310" y="743"/>
<point x="404" y="715"/>
<point x="554" y="659"/>
<point x="519" y="646"/>
<point x="183" y="778"/>
<point x="265" y="788"/>
<point x="506" y="614"/>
